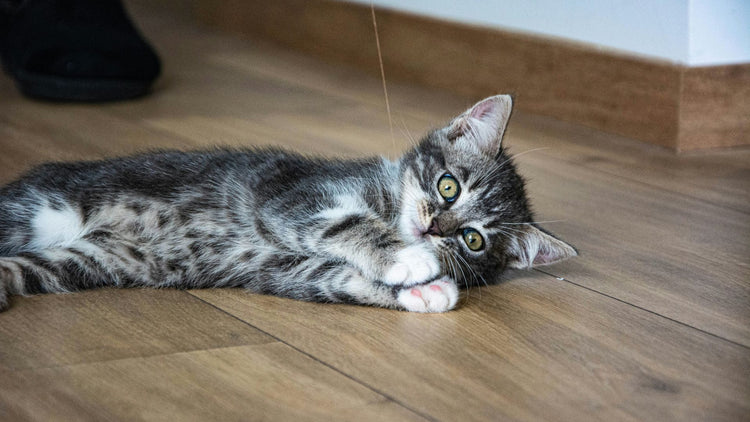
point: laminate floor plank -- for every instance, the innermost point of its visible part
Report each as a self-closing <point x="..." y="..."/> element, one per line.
<point x="109" y="324"/>
<point x="243" y="383"/>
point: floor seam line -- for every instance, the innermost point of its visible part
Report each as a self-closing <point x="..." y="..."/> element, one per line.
<point x="155" y="355"/>
<point x="684" y="324"/>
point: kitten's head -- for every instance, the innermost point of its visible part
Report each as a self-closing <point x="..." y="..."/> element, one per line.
<point x="461" y="193"/>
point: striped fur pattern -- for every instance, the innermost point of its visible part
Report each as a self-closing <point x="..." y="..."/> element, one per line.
<point x="369" y="231"/>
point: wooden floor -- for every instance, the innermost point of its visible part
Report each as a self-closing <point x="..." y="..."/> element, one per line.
<point x="650" y="323"/>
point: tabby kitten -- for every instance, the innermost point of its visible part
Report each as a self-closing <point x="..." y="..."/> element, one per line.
<point x="406" y="234"/>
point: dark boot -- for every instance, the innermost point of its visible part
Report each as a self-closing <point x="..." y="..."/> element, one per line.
<point x="75" y="50"/>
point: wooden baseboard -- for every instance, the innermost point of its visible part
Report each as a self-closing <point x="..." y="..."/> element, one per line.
<point x="714" y="107"/>
<point x="673" y="106"/>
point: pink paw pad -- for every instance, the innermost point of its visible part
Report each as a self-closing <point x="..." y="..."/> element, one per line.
<point x="438" y="296"/>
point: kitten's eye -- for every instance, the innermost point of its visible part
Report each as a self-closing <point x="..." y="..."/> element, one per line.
<point x="448" y="187"/>
<point x="473" y="239"/>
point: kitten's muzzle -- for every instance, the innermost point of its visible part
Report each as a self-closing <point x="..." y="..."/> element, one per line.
<point x="434" y="228"/>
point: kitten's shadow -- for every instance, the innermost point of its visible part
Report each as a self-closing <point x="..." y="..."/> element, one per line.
<point x="513" y="273"/>
<point x="505" y="277"/>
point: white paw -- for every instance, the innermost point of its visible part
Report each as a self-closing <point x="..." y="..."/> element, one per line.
<point x="415" y="264"/>
<point x="437" y="296"/>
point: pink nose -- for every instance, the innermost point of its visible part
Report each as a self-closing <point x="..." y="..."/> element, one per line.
<point x="434" y="228"/>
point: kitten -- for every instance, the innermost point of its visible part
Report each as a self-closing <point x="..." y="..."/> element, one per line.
<point x="406" y="234"/>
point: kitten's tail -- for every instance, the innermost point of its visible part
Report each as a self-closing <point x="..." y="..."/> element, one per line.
<point x="17" y="277"/>
<point x="3" y="293"/>
<point x="34" y="273"/>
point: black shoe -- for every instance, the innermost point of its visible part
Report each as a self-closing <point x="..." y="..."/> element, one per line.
<point x="75" y="50"/>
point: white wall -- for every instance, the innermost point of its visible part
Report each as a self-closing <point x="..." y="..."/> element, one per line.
<point x="692" y="32"/>
<point x="718" y="32"/>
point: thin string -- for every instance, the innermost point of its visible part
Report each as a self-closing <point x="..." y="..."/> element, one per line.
<point x="382" y="74"/>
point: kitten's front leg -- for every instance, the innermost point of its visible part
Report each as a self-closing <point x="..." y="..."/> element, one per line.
<point x="320" y="280"/>
<point x="377" y="250"/>
<point x="412" y="264"/>
<point x="350" y="232"/>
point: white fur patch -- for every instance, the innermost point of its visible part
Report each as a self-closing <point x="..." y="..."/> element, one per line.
<point x="347" y="206"/>
<point x="414" y="264"/>
<point x="55" y="227"/>
<point x="409" y="217"/>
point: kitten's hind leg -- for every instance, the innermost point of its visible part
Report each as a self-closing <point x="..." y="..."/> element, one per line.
<point x="84" y="264"/>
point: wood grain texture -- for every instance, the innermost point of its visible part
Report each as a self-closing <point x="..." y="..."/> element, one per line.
<point x="650" y="322"/>
<point x="715" y="107"/>
<point x="247" y="383"/>
<point x="57" y="330"/>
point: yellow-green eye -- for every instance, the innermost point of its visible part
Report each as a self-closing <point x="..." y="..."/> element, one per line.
<point x="448" y="187"/>
<point x="473" y="239"/>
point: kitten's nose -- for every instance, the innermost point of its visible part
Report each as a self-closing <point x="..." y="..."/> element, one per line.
<point x="435" y="228"/>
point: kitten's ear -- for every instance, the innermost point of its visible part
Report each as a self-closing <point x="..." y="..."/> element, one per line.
<point x="533" y="248"/>
<point x="482" y="126"/>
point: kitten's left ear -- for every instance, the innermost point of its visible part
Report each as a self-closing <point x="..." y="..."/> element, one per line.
<point x="482" y="127"/>
<point x="533" y="248"/>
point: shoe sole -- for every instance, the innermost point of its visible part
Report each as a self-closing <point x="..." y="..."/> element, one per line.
<point x="79" y="90"/>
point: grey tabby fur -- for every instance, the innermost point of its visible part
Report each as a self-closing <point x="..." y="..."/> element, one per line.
<point x="368" y="231"/>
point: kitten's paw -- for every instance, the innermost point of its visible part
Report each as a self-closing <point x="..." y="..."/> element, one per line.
<point x="440" y="295"/>
<point x="414" y="264"/>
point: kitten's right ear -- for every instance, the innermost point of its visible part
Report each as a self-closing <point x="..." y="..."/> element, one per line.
<point x="482" y="126"/>
<point x="532" y="247"/>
